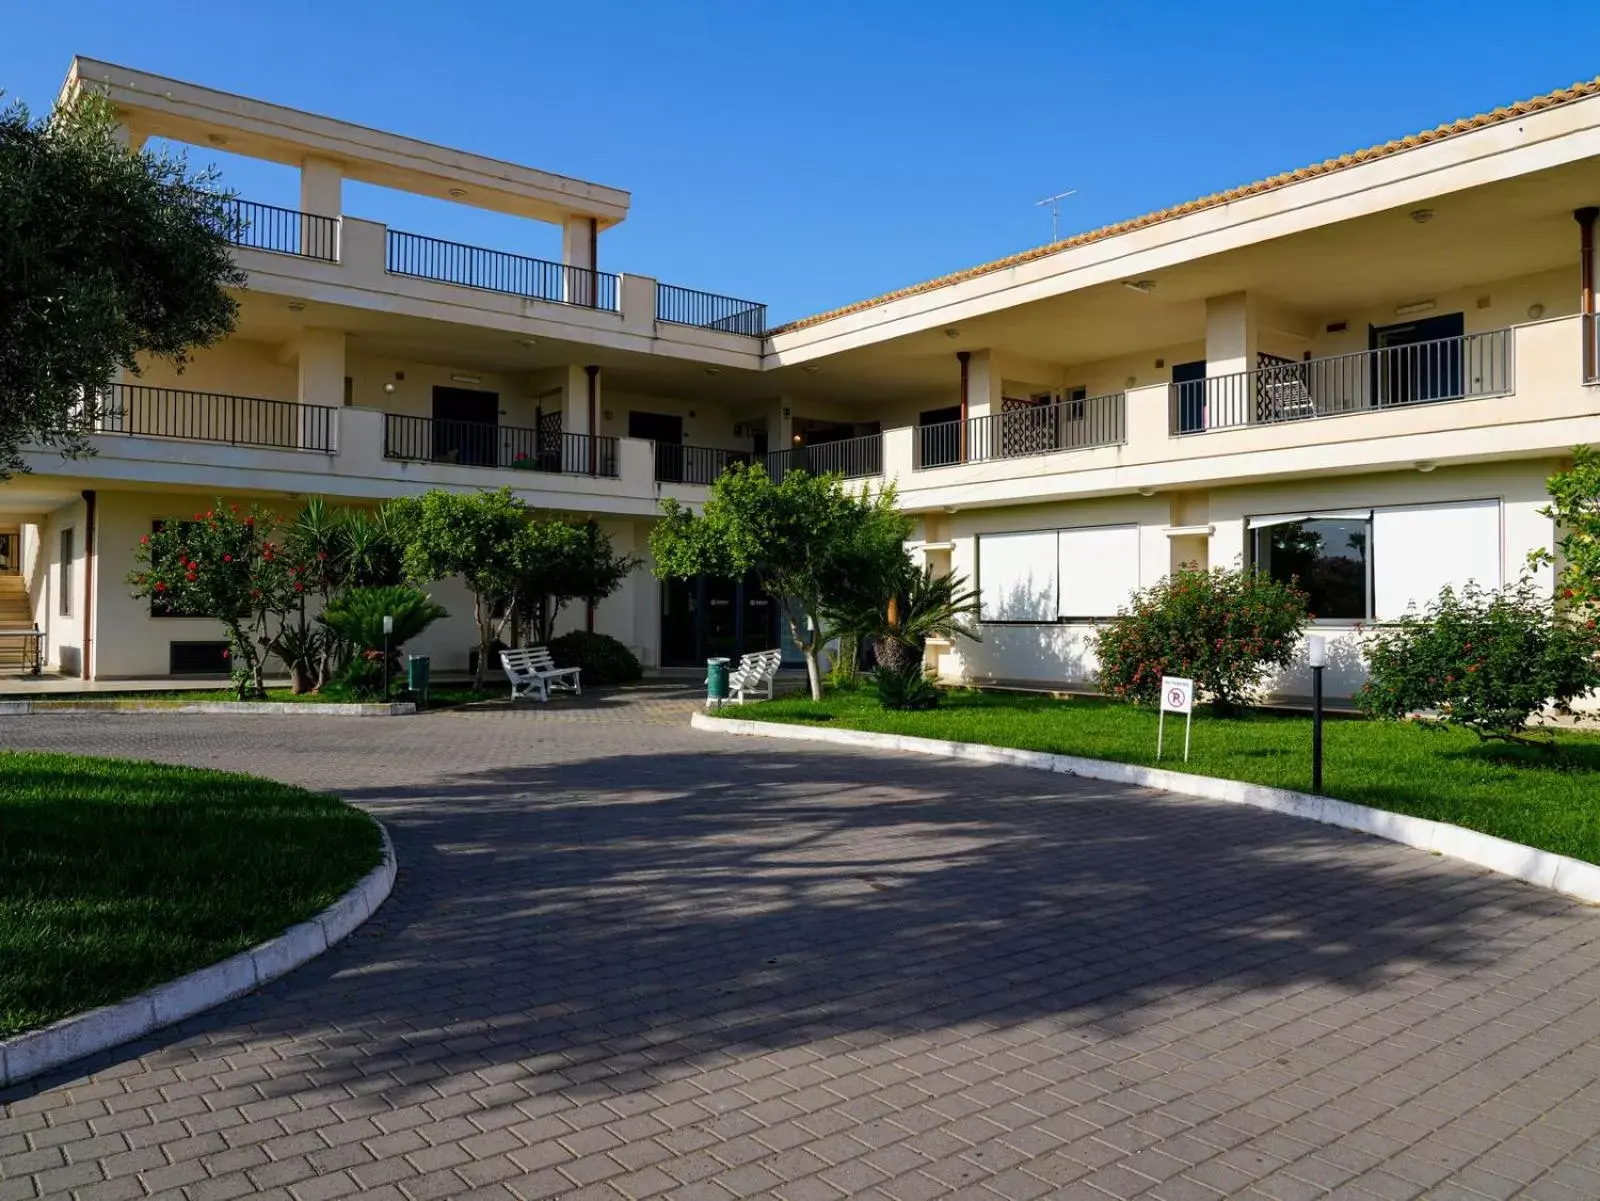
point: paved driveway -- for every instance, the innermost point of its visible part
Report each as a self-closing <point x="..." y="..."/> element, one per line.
<point x="627" y="960"/>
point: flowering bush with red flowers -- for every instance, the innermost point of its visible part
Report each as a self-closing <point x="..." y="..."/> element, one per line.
<point x="224" y="565"/>
<point x="1227" y="629"/>
<point x="1491" y="662"/>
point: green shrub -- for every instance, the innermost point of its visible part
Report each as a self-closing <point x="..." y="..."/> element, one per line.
<point x="1486" y="661"/>
<point x="604" y="660"/>
<point x="1226" y="629"/>
<point x="907" y="687"/>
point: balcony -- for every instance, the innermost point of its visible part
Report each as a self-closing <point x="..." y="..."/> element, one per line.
<point x="214" y="417"/>
<point x="1461" y="368"/>
<point x="421" y="257"/>
<point x="1020" y="433"/>
<point x="478" y="444"/>
<point x="277" y="230"/>
<point x="853" y="458"/>
<point x="706" y="310"/>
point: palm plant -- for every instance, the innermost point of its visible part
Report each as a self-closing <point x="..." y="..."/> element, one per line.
<point x="896" y="618"/>
<point x="356" y="617"/>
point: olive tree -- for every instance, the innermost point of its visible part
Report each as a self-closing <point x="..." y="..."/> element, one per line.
<point x="106" y="255"/>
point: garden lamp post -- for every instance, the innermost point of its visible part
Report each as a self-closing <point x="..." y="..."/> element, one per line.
<point x="1317" y="656"/>
<point x="388" y="628"/>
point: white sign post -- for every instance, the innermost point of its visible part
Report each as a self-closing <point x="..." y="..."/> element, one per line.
<point x="1177" y="696"/>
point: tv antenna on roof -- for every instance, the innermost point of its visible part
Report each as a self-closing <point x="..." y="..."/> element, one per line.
<point x="1055" y="211"/>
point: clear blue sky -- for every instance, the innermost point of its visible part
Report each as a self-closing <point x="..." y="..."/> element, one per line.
<point x="813" y="154"/>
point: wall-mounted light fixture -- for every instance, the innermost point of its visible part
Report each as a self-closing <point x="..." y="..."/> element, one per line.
<point x="467" y="379"/>
<point x="952" y="333"/>
<point x="217" y="139"/>
<point x="1145" y="286"/>
<point x="1535" y="311"/>
<point x="1414" y="307"/>
<point x="1425" y="465"/>
<point x="458" y="193"/>
<point x="388" y="387"/>
<point x="296" y="306"/>
<point x="1422" y="216"/>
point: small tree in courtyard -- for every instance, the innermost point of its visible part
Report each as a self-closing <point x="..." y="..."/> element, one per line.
<point x="1227" y="629"/>
<point x="225" y="564"/>
<point x="801" y="536"/>
<point x="555" y="562"/>
<point x="474" y="535"/>
<point x="1489" y="662"/>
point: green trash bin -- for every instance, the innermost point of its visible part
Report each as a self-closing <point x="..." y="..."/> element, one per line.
<point x="716" y="681"/>
<point x="418" y="670"/>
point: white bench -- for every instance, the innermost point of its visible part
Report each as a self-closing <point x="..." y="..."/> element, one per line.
<point x="533" y="673"/>
<point x="754" y="675"/>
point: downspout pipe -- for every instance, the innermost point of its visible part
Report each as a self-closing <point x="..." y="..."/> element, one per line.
<point x="964" y="358"/>
<point x="593" y="371"/>
<point x="90" y="514"/>
<point x="1585" y="218"/>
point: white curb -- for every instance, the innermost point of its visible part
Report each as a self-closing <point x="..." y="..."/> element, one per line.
<point x="1573" y="877"/>
<point x="308" y="708"/>
<point x="27" y="1055"/>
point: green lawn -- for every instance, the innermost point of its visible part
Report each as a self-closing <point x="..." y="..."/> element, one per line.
<point x="116" y="875"/>
<point x="1509" y="791"/>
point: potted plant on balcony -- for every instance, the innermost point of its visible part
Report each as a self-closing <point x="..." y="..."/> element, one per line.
<point x="523" y="461"/>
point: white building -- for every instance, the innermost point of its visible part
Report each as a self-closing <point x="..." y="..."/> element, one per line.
<point x="1361" y="371"/>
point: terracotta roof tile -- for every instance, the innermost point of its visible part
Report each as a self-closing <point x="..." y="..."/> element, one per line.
<point x="1510" y="112"/>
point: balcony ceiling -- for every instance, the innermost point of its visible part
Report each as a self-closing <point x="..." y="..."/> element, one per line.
<point x="1501" y="231"/>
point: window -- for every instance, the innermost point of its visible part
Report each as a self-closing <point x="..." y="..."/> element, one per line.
<point x="1057" y="575"/>
<point x="1420" y="549"/>
<point x="1017" y="576"/>
<point x="1099" y="570"/>
<point x="68" y="554"/>
<point x="1328" y="554"/>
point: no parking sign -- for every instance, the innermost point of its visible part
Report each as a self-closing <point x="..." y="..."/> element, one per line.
<point x="1177" y="696"/>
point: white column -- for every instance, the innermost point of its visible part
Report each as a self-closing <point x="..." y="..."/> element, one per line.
<point x="1230" y="334"/>
<point x="580" y="250"/>
<point x="319" y="363"/>
<point x="579" y="456"/>
<point x="321" y="186"/>
<point x="984" y="386"/>
<point x="321" y="198"/>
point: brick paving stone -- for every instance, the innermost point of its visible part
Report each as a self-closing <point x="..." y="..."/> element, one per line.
<point x="624" y="960"/>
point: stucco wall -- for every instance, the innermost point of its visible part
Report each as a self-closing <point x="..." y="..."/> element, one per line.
<point x="1062" y="653"/>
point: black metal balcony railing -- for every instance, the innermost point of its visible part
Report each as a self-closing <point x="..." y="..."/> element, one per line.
<point x="259" y="226"/>
<point x="706" y="310"/>
<point x="214" y="417"/>
<point x="693" y="464"/>
<point x="479" y="444"/>
<point x="853" y="458"/>
<point x="1017" y="433"/>
<point x="423" y="257"/>
<point x="1460" y="368"/>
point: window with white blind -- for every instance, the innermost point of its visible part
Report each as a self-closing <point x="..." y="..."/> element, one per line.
<point x="1418" y="550"/>
<point x="1017" y="576"/>
<point x="1099" y="570"/>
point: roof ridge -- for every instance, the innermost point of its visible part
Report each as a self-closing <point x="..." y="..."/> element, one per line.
<point x="1520" y="108"/>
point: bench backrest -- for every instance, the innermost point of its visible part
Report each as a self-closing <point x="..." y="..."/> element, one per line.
<point x="759" y="665"/>
<point x="528" y="660"/>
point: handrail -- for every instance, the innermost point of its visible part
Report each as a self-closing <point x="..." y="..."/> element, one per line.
<point x="421" y="257"/>
<point x="853" y="458"/>
<point x="156" y="412"/>
<point x="257" y="226"/>
<point x="707" y="310"/>
<point x="482" y="444"/>
<point x="1458" y="368"/>
<point x="1022" y="432"/>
